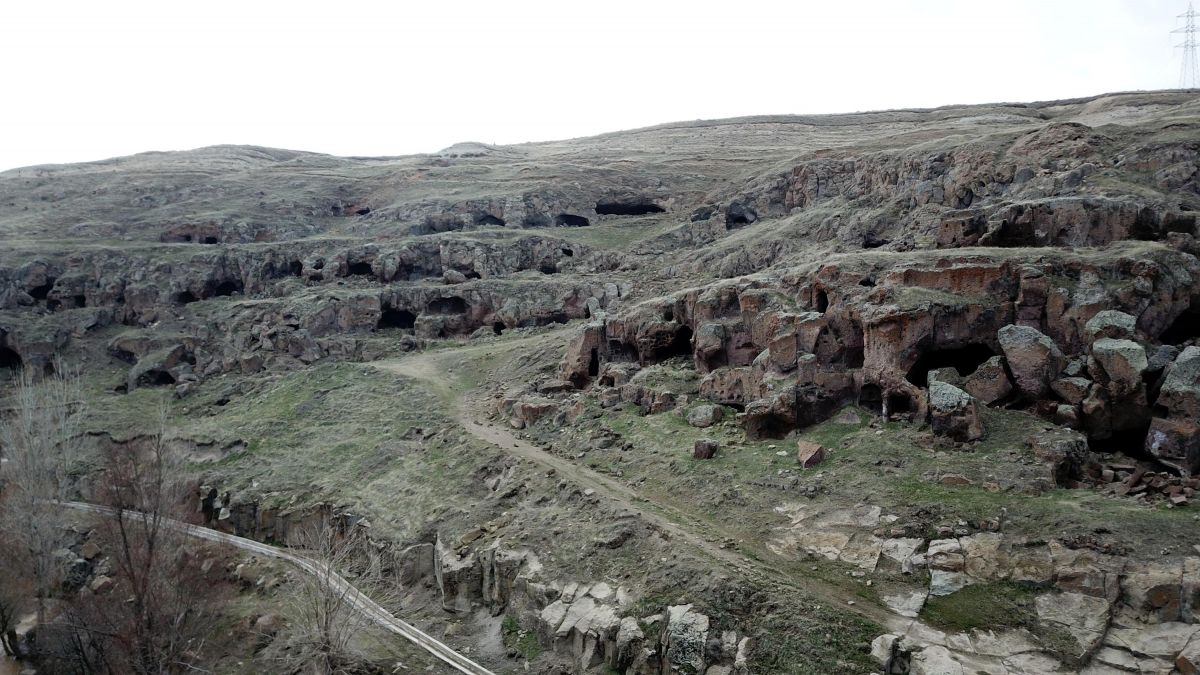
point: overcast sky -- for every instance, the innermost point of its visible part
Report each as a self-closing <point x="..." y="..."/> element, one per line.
<point x="88" y="80"/>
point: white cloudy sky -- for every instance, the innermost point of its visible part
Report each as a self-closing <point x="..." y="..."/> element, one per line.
<point x="87" y="80"/>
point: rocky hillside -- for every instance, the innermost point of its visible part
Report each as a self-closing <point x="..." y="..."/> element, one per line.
<point x="978" y="327"/>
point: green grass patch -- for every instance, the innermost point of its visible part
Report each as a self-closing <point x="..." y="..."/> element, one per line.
<point x="983" y="606"/>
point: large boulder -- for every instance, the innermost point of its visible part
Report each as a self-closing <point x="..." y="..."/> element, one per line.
<point x="1032" y="357"/>
<point x="1123" y="362"/>
<point x="953" y="412"/>
<point x="685" y="638"/>
<point x="704" y="416"/>
<point x="1066" y="455"/>
<point x="1180" y="392"/>
<point x="1110" y="324"/>
<point x="989" y="383"/>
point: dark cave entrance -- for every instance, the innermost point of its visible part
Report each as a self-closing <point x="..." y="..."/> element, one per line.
<point x="1184" y="328"/>
<point x="821" y="300"/>
<point x="768" y="426"/>
<point x="396" y="318"/>
<point x="619" y="351"/>
<point x="10" y="359"/>
<point x="1128" y="442"/>
<point x="209" y="240"/>
<point x="568" y="252"/>
<point x="594" y="363"/>
<point x="156" y="378"/>
<point x="185" y="297"/>
<point x="571" y="220"/>
<point x="739" y="215"/>
<point x="899" y="404"/>
<point x="296" y="268"/>
<point x="680" y="345"/>
<point x="40" y="292"/>
<point x="363" y="211"/>
<point x="871" y="398"/>
<point x="227" y="288"/>
<point x="965" y="360"/>
<point x="488" y="220"/>
<point x="451" y="305"/>
<point x="498" y="328"/>
<point x="548" y="267"/>
<point x="607" y="208"/>
<point x="359" y="269"/>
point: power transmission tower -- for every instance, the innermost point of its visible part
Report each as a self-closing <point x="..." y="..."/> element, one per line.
<point x="1189" y="73"/>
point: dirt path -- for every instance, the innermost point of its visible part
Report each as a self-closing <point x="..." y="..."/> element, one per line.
<point x="430" y="367"/>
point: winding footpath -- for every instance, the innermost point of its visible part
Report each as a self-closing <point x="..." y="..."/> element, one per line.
<point x="366" y="606"/>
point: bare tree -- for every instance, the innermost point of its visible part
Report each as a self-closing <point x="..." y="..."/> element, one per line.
<point x="14" y="597"/>
<point x="41" y="450"/>
<point x="325" y="629"/>
<point x="159" y="623"/>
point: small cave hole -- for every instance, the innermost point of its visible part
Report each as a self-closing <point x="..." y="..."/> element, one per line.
<point x="396" y="318"/>
<point x="451" y="305"/>
<point x="668" y="314"/>
<point x="867" y="282"/>
<point x="899" y="404"/>
<point x="680" y="345"/>
<point x="319" y="264"/>
<point x="963" y="359"/>
<point x="1184" y="328"/>
<point x="568" y="252"/>
<point x="498" y="328"/>
<point x="488" y="220"/>
<point x="471" y="274"/>
<point x="548" y="267"/>
<point x="571" y="220"/>
<point x="359" y="269"/>
<point x="185" y="297"/>
<point x="769" y="426"/>
<point x="362" y="212"/>
<point x="79" y="300"/>
<point x="227" y="288"/>
<point x="822" y="301"/>
<point x="739" y="215"/>
<point x="209" y="240"/>
<point x="594" y="363"/>
<point x="156" y="378"/>
<point x="53" y="304"/>
<point x="40" y="292"/>
<point x="296" y="268"/>
<point x="872" y="240"/>
<point x="10" y="359"/>
<point x="1128" y="442"/>
<point x="607" y="208"/>
<point x="871" y="398"/>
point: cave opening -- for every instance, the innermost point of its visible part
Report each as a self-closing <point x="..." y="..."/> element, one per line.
<point x="964" y="359"/>
<point x="871" y="398"/>
<point x="498" y="328"/>
<point x="185" y="297"/>
<point x="396" y="318"/>
<point x="296" y="268"/>
<point x="680" y="345"/>
<point x="1185" y="327"/>
<point x="619" y="351"/>
<point x="739" y="215"/>
<point x="227" y="288"/>
<point x="209" y="240"/>
<point x="156" y="378"/>
<point x="594" y="363"/>
<point x="79" y="300"/>
<point x="362" y="212"/>
<point x="821" y="299"/>
<point x="868" y="282"/>
<point x="359" y="269"/>
<point x="40" y="292"/>
<point x="10" y="359"/>
<point x="899" y="403"/>
<point x="450" y="305"/>
<point x="488" y="220"/>
<point x="568" y="252"/>
<point x="769" y="426"/>
<point x="638" y="208"/>
<point x="1128" y="442"/>
<point x="571" y="220"/>
<point x="53" y="304"/>
<point x="319" y="264"/>
<point x="548" y="267"/>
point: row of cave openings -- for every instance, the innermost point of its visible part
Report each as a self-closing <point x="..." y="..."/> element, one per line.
<point x="398" y="318"/>
<point x="602" y="208"/>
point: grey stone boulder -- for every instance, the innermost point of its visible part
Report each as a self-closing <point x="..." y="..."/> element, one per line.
<point x="1110" y="324"/>
<point x="704" y="416"/>
<point x="989" y="383"/>
<point x="1123" y="362"/>
<point x="954" y="412"/>
<point x="1180" y="392"/>
<point x="1032" y="357"/>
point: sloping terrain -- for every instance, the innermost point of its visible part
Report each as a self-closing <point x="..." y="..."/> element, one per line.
<point x="911" y="389"/>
